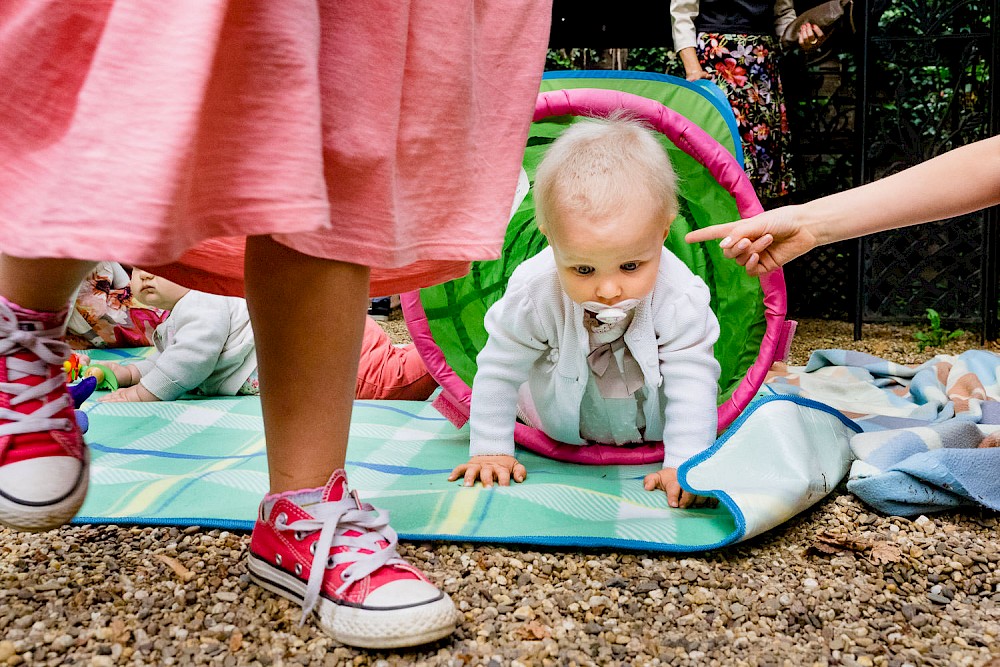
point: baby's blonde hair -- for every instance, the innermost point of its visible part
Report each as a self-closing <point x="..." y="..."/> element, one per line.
<point x="602" y="165"/>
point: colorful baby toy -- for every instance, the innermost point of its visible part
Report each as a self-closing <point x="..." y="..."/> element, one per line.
<point x="80" y="392"/>
<point x="76" y="370"/>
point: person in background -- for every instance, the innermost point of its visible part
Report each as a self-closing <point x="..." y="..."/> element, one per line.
<point x="380" y="308"/>
<point x="734" y="43"/>
<point x="104" y="314"/>
<point x="206" y="346"/>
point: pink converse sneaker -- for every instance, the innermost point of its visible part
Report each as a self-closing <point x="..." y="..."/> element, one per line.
<point x="43" y="461"/>
<point x="332" y="553"/>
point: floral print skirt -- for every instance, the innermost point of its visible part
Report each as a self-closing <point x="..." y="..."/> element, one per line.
<point x="251" y="387"/>
<point x="746" y="68"/>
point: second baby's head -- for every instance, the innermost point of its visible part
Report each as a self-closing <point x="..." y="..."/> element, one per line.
<point x="155" y="291"/>
<point x="605" y="195"/>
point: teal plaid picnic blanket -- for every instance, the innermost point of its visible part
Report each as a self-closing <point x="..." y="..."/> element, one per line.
<point x="201" y="461"/>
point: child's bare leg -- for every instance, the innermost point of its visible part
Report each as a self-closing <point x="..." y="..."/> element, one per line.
<point x="41" y="284"/>
<point x="43" y="461"/>
<point x="308" y="317"/>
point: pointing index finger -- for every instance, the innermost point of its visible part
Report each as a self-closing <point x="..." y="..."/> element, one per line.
<point x="709" y="233"/>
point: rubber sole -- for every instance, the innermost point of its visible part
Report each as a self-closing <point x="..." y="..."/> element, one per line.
<point x="364" y="627"/>
<point x="40" y="517"/>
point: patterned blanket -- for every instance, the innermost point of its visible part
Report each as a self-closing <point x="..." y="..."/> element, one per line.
<point x="927" y="444"/>
<point x="201" y="461"/>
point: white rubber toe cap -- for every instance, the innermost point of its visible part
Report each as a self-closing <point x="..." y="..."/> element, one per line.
<point x="42" y="480"/>
<point x="402" y="593"/>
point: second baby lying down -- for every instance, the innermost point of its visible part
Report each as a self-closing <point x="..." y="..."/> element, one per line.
<point x="206" y="346"/>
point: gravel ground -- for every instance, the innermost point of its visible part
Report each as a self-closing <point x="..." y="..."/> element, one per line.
<point x="838" y="585"/>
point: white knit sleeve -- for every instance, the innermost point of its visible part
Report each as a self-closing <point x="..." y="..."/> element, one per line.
<point x="502" y="367"/>
<point x="202" y="327"/>
<point x="690" y="375"/>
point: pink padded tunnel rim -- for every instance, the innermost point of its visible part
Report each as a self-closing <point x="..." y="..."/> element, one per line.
<point x="456" y="394"/>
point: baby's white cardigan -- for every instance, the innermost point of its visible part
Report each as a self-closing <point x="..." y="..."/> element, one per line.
<point x="536" y="334"/>
<point x="205" y="343"/>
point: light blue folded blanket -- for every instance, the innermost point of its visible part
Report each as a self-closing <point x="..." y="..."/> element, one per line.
<point x="925" y="469"/>
<point x="923" y="425"/>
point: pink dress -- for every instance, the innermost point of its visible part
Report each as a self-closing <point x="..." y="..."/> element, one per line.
<point x="152" y="132"/>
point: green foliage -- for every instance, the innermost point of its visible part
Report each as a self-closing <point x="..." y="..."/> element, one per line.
<point x="932" y="81"/>
<point x="934" y="17"/>
<point x="651" y="59"/>
<point x="656" y="59"/>
<point x="935" y="335"/>
<point x="563" y="59"/>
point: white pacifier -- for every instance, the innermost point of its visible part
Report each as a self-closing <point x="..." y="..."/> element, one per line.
<point x="612" y="314"/>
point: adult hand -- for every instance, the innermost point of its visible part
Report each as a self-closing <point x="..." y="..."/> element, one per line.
<point x="761" y="243"/>
<point x="697" y="75"/>
<point x="693" y="70"/>
<point x="499" y="467"/>
<point x="810" y="36"/>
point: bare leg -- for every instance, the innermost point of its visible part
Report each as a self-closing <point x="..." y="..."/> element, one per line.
<point x="308" y="318"/>
<point x="43" y="459"/>
<point x="41" y="284"/>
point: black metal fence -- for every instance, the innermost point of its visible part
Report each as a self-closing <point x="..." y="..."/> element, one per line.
<point x="916" y="80"/>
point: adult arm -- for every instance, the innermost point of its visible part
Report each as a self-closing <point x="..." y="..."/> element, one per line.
<point x="784" y="15"/>
<point x="960" y="181"/>
<point x="809" y="36"/>
<point x="685" y="37"/>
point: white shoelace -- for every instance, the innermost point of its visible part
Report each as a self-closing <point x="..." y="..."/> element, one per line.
<point x="51" y="350"/>
<point x="334" y="519"/>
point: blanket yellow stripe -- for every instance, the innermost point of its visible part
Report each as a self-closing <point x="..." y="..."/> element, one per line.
<point x="150" y="492"/>
<point x="456" y="520"/>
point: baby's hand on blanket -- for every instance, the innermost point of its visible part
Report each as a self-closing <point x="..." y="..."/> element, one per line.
<point x="487" y="468"/>
<point x="666" y="480"/>
<point x="136" y="394"/>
